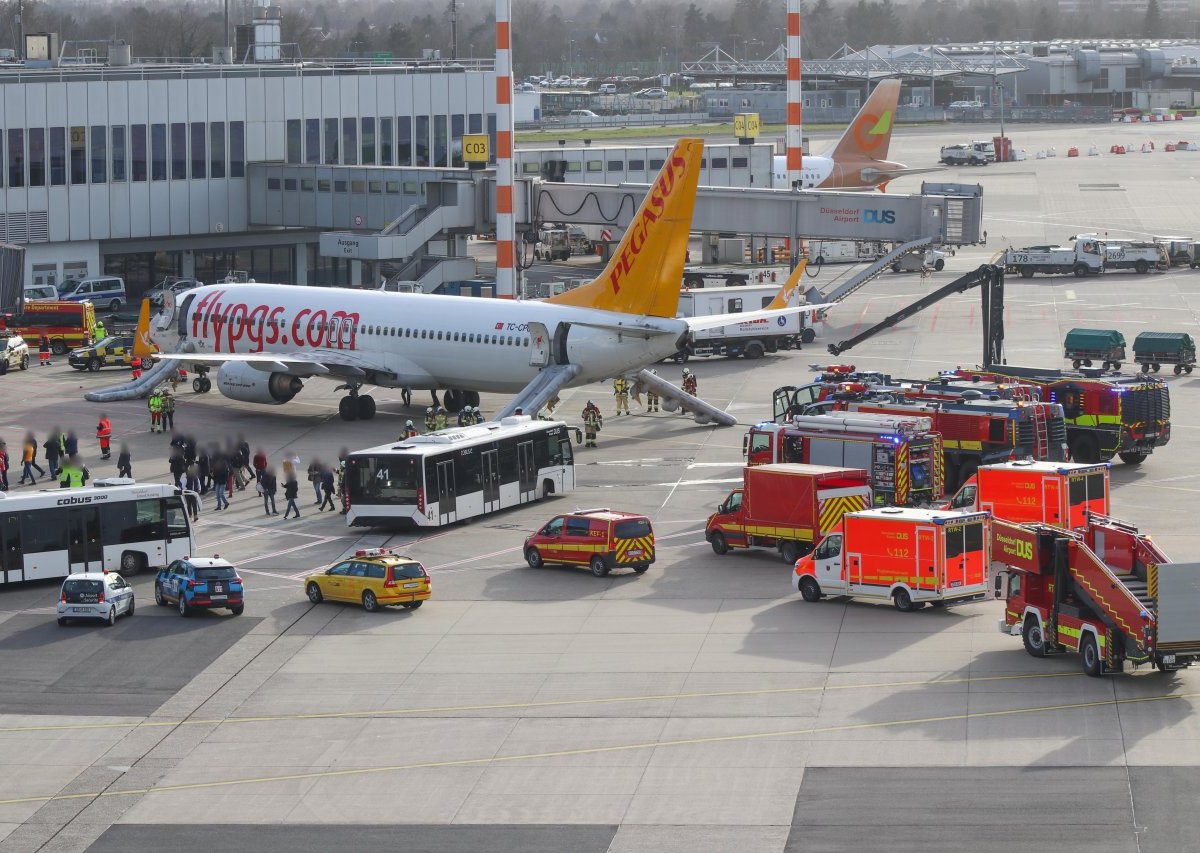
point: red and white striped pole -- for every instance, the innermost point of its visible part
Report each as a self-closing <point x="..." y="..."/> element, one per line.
<point x="795" y="136"/>
<point x="506" y="268"/>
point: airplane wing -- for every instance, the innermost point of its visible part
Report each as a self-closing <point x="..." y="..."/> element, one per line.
<point x="333" y="364"/>
<point x="716" y="321"/>
<point x="643" y="330"/>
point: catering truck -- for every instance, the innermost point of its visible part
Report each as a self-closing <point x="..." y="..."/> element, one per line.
<point x="786" y="507"/>
<point x="751" y="339"/>
<point x="911" y="557"/>
<point x="1105" y="591"/>
<point x="1062" y="494"/>
<point x="903" y="455"/>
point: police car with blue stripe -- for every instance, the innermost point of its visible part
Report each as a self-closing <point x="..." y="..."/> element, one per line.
<point x="95" y="595"/>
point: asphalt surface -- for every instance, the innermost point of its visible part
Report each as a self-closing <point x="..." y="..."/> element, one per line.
<point x="698" y="707"/>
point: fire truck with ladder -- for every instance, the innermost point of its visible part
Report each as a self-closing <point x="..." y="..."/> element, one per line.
<point x="902" y="454"/>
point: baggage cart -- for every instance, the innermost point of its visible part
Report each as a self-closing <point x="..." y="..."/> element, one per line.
<point x="1154" y="349"/>
<point x="1083" y="346"/>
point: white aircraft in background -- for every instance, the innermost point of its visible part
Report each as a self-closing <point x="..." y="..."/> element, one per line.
<point x="266" y="339"/>
<point x="859" y="159"/>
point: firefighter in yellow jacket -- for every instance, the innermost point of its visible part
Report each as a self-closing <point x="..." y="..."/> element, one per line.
<point x="621" y="392"/>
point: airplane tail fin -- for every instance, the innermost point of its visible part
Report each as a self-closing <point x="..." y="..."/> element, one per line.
<point x="646" y="270"/>
<point x="870" y="134"/>
<point x="142" y="346"/>
<point x="784" y="297"/>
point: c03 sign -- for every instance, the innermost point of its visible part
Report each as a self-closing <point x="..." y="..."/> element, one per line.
<point x="475" y="148"/>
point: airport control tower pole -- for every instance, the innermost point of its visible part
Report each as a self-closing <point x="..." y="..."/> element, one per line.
<point x="506" y="280"/>
<point x="795" y="137"/>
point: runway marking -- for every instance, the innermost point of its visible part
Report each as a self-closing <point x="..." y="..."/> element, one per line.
<point x="598" y="750"/>
<point x="549" y="703"/>
<point x="323" y="541"/>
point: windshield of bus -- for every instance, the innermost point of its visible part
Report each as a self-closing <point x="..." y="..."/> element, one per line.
<point x="634" y="528"/>
<point x="384" y="480"/>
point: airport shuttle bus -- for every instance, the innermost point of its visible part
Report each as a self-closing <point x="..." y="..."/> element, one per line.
<point x="459" y="473"/>
<point x="114" y="526"/>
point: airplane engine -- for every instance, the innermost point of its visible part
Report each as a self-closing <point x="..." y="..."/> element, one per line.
<point x="239" y="381"/>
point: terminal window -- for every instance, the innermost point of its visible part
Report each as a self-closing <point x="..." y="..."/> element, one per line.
<point x="404" y="152"/>
<point x="78" y="155"/>
<point x="349" y="142"/>
<point x="58" y="156"/>
<point x="118" y="154"/>
<point x="16" y="157"/>
<point x="237" y="149"/>
<point x="158" y="152"/>
<point x="99" y="154"/>
<point x="37" y="157"/>
<point x="312" y="140"/>
<point x="293" y="141"/>
<point x="216" y="150"/>
<point x="331" y="141"/>
<point x="178" y="151"/>
<point x="199" y="150"/>
<point x="386" y="153"/>
<point x="368" y="141"/>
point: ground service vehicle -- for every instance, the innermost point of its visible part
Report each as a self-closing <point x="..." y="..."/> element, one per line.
<point x="700" y="277"/>
<point x="552" y="245"/>
<point x="786" y="507"/>
<point x="844" y="251"/>
<point x="962" y="155"/>
<point x="911" y="557"/>
<point x="919" y="260"/>
<point x="902" y="455"/>
<point x="1105" y="591"/>
<point x="974" y="431"/>
<point x="1085" y="257"/>
<point x="200" y="583"/>
<point x="1179" y="249"/>
<point x="751" y="339"/>
<point x="459" y="473"/>
<point x="1106" y="416"/>
<point x="114" y="525"/>
<point x="15" y="353"/>
<point x="1106" y="346"/>
<point x="113" y="351"/>
<point x="374" y="578"/>
<point x="67" y="324"/>
<point x="95" y="595"/>
<point x="1154" y="349"/>
<point x="601" y="539"/>
<point x="1136" y="255"/>
<point x="1062" y="494"/>
<point x="106" y="291"/>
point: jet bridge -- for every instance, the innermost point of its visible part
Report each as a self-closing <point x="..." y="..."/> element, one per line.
<point x="942" y="214"/>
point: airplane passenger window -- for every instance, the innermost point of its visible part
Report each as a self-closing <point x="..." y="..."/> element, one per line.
<point x="439" y="335"/>
<point x="422" y="334"/>
<point x="456" y="337"/>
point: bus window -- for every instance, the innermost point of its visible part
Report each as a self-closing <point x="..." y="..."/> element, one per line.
<point x="177" y="518"/>
<point x="385" y="481"/>
<point x="40" y="537"/>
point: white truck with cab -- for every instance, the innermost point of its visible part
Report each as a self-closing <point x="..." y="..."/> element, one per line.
<point x="751" y="339"/>
<point x="1085" y="257"/>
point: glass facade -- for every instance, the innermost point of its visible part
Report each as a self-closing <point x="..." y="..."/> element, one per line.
<point x="178" y="151"/>
<point x="143" y="270"/>
<point x="37" y="157"/>
<point x="118" y="154"/>
<point x="216" y="149"/>
<point x="16" y="157"/>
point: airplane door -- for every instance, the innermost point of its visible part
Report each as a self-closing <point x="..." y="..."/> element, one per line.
<point x="539" y="354"/>
<point x="335" y="333"/>
<point x="526" y="472"/>
<point x="491" y="480"/>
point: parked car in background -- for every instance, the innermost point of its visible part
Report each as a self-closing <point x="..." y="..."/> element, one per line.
<point x="41" y="293"/>
<point x="175" y="285"/>
<point x="653" y="93"/>
<point x="16" y="353"/>
<point x="105" y="292"/>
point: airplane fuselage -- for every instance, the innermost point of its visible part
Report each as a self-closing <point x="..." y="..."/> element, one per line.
<point x="418" y="340"/>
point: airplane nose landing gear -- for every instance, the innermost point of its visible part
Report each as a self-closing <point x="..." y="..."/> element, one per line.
<point x="355" y="406"/>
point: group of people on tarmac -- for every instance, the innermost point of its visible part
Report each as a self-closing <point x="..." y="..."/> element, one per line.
<point x="63" y="461"/>
<point x="161" y="403"/>
<point x="623" y="389"/>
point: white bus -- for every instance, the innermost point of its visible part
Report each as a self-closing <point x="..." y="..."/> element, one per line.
<point x="116" y="525"/>
<point x="459" y="473"/>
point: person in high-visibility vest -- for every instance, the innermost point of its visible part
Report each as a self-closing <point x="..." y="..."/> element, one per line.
<point x="155" y="406"/>
<point x="592" y="422"/>
<point x="439" y="418"/>
<point x="74" y="474"/>
<point x="135" y="367"/>
<point x="44" y="351"/>
<point x="430" y="420"/>
<point x="104" y="433"/>
<point x="168" y="410"/>
<point x="651" y="397"/>
<point x="621" y="392"/>
<point x="409" y="429"/>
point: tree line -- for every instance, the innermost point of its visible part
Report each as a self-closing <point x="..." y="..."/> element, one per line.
<point x="578" y="36"/>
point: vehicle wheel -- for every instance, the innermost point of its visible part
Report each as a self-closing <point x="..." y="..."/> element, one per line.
<point x="25" y="361"/>
<point x="1130" y="458"/>
<point x="366" y="407"/>
<point x="205" y="384"/>
<point x="1085" y="449"/>
<point x="111" y="619"/>
<point x="1187" y="368"/>
<point x="1035" y="643"/>
<point x="370" y="602"/>
<point x="1026" y="272"/>
<point x="1141" y="267"/>
<point x="681" y="358"/>
<point x="903" y="601"/>
<point x="348" y="409"/>
<point x="1081" y="270"/>
<point x="313" y="591"/>
<point x="1157" y="367"/>
<point x="58" y="347"/>
<point x="598" y="566"/>
<point x="93" y="364"/>
<point x="753" y="350"/>
<point x="693" y="282"/>
<point x="641" y="568"/>
<point x="1087" y="362"/>
<point x="534" y="558"/>
<point x="1145" y="368"/>
<point x="790" y="552"/>
<point x="1116" y="365"/>
<point x="808" y="336"/>
<point x="159" y="598"/>
<point x="114" y="306"/>
<point x="197" y="385"/>
<point x="1178" y="369"/>
<point x="184" y="610"/>
<point x="895" y="268"/>
<point x="131" y="563"/>
<point x="810" y="590"/>
<point x="132" y="606"/>
<point x="238" y="610"/>
<point x="939" y="264"/>
<point x="1093" y="666"/>
<point x="1075" y="363"/>
<point x="719" y="545"/>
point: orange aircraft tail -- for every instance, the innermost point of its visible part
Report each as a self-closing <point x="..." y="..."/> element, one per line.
<point x="646" y="270"/>
<point x="143" y="346"/>
<point x="870" y="134"/>
<point x="784" y="297"/>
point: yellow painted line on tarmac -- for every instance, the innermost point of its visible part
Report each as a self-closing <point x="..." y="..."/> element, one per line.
<point x="595" y="750"/>
<point x="549" y="703"/>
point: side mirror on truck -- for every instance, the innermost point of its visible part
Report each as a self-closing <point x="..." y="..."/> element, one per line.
<point x="1002" y="585"/>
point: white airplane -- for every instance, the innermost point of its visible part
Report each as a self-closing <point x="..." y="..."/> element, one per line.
<point x="858" y="161"/>
<point x="266" y="339"/>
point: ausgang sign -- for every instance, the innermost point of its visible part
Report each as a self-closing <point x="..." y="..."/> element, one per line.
<point x="475" y="147"/>
<point x="348" y="244"/>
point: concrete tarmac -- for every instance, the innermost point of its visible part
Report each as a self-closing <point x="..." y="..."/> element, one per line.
<point x="699" y="707"/>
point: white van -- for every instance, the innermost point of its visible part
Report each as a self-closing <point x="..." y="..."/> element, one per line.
<point x="583" y="115"/>
<point x="608" y="88"/>
<point x="107" y="291"/>
<point x="41" y="293"/>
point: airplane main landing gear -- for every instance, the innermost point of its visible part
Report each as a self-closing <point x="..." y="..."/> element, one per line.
<point x="355" y="406"/>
